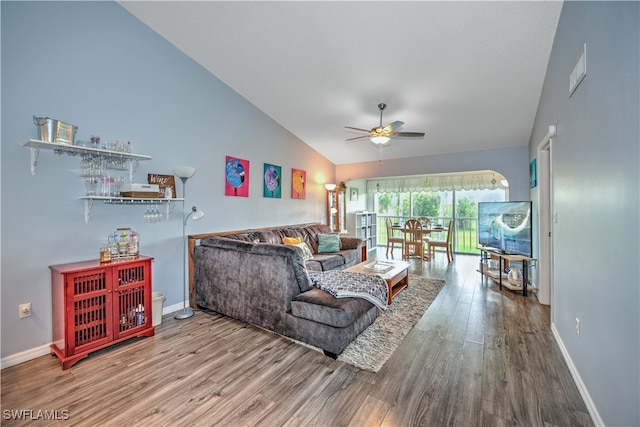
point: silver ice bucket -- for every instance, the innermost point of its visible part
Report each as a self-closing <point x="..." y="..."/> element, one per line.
<point x="51" y="130"/>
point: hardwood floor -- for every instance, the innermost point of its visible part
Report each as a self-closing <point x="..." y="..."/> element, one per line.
<point x="478" y="357"/>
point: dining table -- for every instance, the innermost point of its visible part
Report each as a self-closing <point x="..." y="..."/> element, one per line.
<point x="426" y="230"/>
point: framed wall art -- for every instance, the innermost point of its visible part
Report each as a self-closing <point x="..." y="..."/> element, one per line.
<point x="533" y="174"/>
<point x="353" y="194"/>
<point x="272" y="181"/>
<point x="236" y="179"/>
<point x="298" y="184"/>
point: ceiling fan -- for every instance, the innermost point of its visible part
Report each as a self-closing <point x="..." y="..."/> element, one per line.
<point x="381" y="135"/>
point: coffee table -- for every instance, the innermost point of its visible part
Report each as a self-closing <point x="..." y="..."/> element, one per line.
<point x="395" y="273"/>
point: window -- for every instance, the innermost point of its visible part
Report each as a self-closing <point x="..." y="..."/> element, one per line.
<point x="440" y="207"/>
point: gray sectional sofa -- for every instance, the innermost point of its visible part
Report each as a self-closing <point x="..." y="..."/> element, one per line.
<point x="253" y="277"/>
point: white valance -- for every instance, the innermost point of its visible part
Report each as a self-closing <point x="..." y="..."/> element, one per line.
<point x="478" y="180"/>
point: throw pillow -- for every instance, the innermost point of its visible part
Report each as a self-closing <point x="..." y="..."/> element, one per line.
<point x="291" y="240"/>
<point x="328" y="243"/>
<point x="306" y="252"/>
<point x="297" y="241"/>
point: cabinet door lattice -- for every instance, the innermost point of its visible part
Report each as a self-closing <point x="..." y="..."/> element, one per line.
<point x="91" y="314"/>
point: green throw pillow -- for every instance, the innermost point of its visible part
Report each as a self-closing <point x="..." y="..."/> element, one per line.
<point x="328" y="243"/>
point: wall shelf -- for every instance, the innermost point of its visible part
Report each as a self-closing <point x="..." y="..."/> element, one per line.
<point x="88" y="203"/>
<point x="36" y="145"/>
<point x="132" y="160"/>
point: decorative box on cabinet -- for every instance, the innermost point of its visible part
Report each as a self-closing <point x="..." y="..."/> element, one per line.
<point x="365" y="226"/>
<point x="96" y="305"/>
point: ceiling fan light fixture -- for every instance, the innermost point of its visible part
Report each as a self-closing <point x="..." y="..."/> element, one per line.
<point x="380" y="139"/>
<point x="381" y="135"/>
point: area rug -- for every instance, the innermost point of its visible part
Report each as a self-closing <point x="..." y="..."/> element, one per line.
<point x="371" y="349"/>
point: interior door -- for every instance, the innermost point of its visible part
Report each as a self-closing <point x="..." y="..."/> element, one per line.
<point x="545" y="229"/>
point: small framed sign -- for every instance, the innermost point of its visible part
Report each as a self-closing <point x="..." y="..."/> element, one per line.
<point x="354" y="194"/>
<point x="164" y="182"/>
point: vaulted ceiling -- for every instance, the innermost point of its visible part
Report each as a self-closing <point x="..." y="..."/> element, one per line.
<point x="468" y="74"/>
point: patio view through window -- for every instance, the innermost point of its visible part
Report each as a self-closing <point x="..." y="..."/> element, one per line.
<point x="439" y="207"/>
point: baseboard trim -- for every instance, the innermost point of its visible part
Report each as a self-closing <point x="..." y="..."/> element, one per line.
<point x="25" y="356"/>
<point x="172" y="308"/>
<point x="582" y="388"/>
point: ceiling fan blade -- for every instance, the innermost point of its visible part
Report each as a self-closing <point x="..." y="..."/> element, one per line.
<point x="393" y="125"/>
<point x="357" y="138"/>
<point x="363" y="130"/>
<point x="408" y="134"/>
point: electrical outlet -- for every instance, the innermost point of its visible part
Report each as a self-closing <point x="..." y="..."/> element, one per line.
<point x="24" y="310"/>
<point x="577" y="326"/>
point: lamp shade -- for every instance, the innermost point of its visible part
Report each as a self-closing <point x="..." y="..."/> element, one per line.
<point x="196" y="213"/>
<point x="330" y="187"/>
<point x="184" y="171"/>
<point x="380" y="140"/>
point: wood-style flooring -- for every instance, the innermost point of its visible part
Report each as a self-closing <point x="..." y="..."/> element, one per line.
<point x="478" y="357"/>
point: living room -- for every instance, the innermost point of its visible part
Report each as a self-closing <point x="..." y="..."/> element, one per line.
<point x="97" y="66"/>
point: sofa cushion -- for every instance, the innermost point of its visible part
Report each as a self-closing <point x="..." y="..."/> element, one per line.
<point x="246" y="237"/>
<point x="313" y="265"/>
<point x="350" y="256"/>
<point x="228" y="256"/>
<point x="328" y="243"/>
<point x="243" y="237"/>
<point x="347" y="242"/>
<point x="330" y="261"/>
<point x="319" y="306"/>
<point x="312" y="235"/>
<point x="296" y="232"/>
<point x="271" y="236"/>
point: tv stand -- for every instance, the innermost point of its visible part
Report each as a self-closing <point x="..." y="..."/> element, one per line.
<point x="504" y="260"/>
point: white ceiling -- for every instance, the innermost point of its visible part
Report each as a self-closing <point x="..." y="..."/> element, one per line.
<point x="469" y="74"/>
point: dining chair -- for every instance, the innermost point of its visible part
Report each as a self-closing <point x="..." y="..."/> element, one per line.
<point x="413" y="244"/>
<point x="426" y="222"/>
<point x="391" y="238"/>
<point x="426" y="225"/>
<point x="447" y="243"/>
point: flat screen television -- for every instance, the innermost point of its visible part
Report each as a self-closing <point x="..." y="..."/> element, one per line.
<point x="505" y="227"/>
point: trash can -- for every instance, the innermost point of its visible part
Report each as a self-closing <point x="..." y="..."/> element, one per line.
<point x="158" y="299"/>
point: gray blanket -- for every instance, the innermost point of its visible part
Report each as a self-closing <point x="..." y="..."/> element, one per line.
<point x="346" y="284"/>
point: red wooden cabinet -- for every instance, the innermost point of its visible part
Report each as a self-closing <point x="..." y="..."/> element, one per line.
<point x="96" y="305"/>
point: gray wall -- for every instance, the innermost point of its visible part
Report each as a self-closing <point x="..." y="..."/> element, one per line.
<point x="596" y="159"/>
<point x="96" y="66"/>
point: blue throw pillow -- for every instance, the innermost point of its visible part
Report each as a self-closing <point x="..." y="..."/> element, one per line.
<point x="328" y="243"/>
